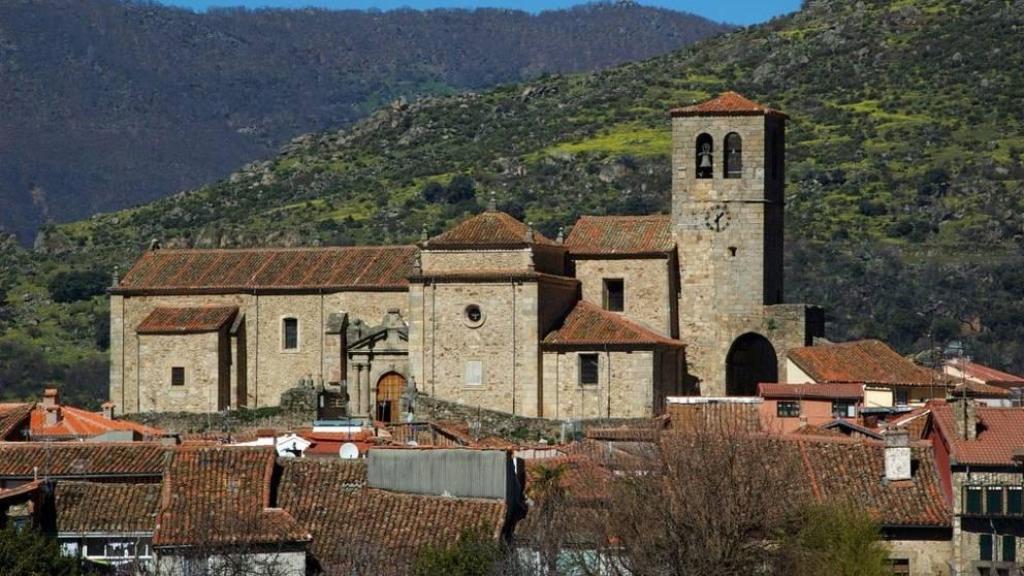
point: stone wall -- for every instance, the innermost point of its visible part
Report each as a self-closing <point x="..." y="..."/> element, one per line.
<point x="625" y="388"/>
<point x="967" y="530"/>
<point x="927" y="557"/>
<point x="269" y="369"/>
<point x="446" y="261"/>
<point x="201" y="357"/>
<point x="649" y="298"/>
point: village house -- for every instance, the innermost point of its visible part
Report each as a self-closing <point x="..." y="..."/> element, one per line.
<point x="787" y="407"/>
<point x="51" y="421"/>
<point x="980" y="451"/>
<point x="491" y="313"/>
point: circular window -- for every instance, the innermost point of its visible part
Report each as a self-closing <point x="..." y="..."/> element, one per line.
<point x="473" y="316"/>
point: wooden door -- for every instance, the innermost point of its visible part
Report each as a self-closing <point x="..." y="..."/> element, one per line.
<point x="389" y="397"/>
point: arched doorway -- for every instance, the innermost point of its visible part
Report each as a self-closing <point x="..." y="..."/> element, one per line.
<point x="389" y="397"/>
<point x="751" y="360"/>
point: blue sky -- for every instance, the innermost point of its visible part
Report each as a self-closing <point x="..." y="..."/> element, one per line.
<point x="734" y="11"/>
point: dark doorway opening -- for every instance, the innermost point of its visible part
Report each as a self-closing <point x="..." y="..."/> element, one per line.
<point x="751" y="360"/>
<point x="389" y="396"/>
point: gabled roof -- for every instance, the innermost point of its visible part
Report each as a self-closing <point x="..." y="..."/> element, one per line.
<point x="987" y="375"/>
<point x="193" y="320"/>
<point x="278" y="269"/>
<point x="847" y="428"/>
<point x="867" y="361"/>
<point x="81" y="459"/>
<point x="78" y="423"/>
<point x="840" y="470"/>
<point x="818" y="391"/>
<point x="106" y="508"/>
<point x="1000" y="434"/>
<point x="979" y="390"/>
<point x="13" y="417"/>
<point x="221" y="496"/>
<point x="727" y="104"/>
<point x="490" y="229"/>
<point x="370" y="530"/>
<point x="621" y="235"/>
<point x="589" y="325"/>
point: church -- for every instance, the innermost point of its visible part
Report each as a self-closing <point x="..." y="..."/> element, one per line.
<point x="603" y="323"/>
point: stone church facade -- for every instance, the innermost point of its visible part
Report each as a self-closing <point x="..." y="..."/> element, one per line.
<point x="605" y="323"/>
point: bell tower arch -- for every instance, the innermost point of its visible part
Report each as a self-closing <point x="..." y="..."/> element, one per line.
<point x="728" y="170"/>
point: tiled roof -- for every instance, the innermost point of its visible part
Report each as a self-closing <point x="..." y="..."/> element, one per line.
<point x="81" y="460"/>
<point x="219" y="271"/>
<point x="1000" y="434"/>
<point x="853" y="471"/>
<point x="989" y="375"/>
<point x="820" y="391"/>
<point x="373" y="531"/>
<point x="867" y="361"/>
<point x="811" y="430"/>
<point x="725" y="416"/>
<point x="727" y="104"/>
<point x="614" y="455"/>
<point x="221" y="495"/>
<point x="99" y="507"/>
<point x="490" y="229"/>
<point x="589" y="325"/>
<point x="914" y="422"/>
<point x="13" y="417"/>
<point x="78" y="423"/>
<point x="621" y="235"/>
<point x="187" y="320"/>
<point x="980" y="390"/>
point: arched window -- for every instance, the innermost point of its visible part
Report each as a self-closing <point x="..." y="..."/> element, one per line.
<point x="705" y="156"/>
<point x="733" y="156"/>
<point x="290" y="333"/>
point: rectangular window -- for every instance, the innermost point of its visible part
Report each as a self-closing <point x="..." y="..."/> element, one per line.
<point x="899" y="566"/>
<point x="588" y="369"/>
<point x="178" y="376"/>
<point x="1013" y="500"/>
<point x="474" y="373"/>
<point x="844" y="409"/>
<point x="994" y="500"/>
<point x="972" y="500"/>
<point x="902" y="397"/>
<point x="614" y="294"/>
<point x="290" y="336"/>
<point x="1009" y="548"/>
<point x="985" y="547"/>
<point x="788" y="409"/>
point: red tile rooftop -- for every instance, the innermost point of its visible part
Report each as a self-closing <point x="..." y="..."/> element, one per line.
<point x="187" y="320"/>
<point x="490" y="229"/>
<point x="1000" y="434"/>
<point x="589" y="325"/>
<point x="727" y="104"/>
<point x="819" y="391"/>
<point x="866" y="361"/>
<point x="621" y="236"/>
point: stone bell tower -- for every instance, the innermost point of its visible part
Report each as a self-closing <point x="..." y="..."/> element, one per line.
<point x="728" y="173"/>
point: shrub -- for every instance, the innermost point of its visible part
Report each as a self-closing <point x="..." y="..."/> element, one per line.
<point x="76" y="285"/>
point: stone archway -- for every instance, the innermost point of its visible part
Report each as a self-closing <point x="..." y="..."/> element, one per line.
<point x="751" y="360"/>
<point x="389" y="397"/>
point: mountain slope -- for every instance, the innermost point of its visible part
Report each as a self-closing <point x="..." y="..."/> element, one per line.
<point x="106" y="104"/>
<point x="905" y="196"/>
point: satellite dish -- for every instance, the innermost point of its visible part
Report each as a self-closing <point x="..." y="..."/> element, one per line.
<point x="349" y="451"/>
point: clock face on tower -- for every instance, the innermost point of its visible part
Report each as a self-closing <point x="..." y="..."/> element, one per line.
<point x="717" y="218"/>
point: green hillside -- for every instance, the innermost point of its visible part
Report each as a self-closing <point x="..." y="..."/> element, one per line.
<point x="905" y="198"/>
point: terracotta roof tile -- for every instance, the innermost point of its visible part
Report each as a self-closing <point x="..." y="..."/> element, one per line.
<point x="867" y="361"/>
<point x="356" y="529"/>
<point x="727" y="104"/>
<point x="490" y="229"/>
<point x="621" y="235"/>
<point x="81" y="460"/>
<point x="1000" y="435"/>
<point x="187" y="320"/>
<point x="725" y="416"/>
<point x="336" y="268"/>
<point x="853" y="471"/>
<point x="589" y="325"/>
<point x="221" y="495"/>
<point x="99" y="507"/>
<point x="980" y="390"/>
<point x="989" y="375"/>
<point x="77" y="423"/>
<point x="13" y="417"/>
<point x="821" y="391"/>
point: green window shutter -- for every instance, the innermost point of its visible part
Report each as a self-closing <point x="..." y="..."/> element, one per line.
<point x="985" y="547"/>
<point x="972" y="500"/>
<point x="1009" y="549"/>
<point x="1014" y="500"/>
<point x="994" y="500"/>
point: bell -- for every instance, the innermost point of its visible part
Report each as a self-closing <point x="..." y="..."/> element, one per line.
<point x="705" y="159"/>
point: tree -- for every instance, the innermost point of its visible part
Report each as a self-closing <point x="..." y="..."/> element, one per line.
<point x="475" y="553"/>
<point x="75" y="285"/>
<point x="29" y="553"/>
<point x="840" y="540"/>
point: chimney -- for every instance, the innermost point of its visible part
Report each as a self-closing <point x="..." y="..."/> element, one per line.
<point x="966" y="415"/>
<point x="897" y="455"/>
<point x="108" y="410"/>
<point x="51" y="407"/>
